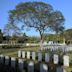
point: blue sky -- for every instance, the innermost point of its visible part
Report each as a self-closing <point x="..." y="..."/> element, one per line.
<point x="63" y="5"/>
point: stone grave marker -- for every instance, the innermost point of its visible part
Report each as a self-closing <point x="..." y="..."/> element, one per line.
<point x="46" y="57"/>
<point x="13" y="62"/>
<point x="60" y="69"/>
<point x="39" y="56"/>
<point x="43" y="68"/>
<point x="31" y="66"/>
<point x="66" y="60"/>
<point x="23" y="54"/>
<point x="56" y="59"/>
<point x="28" y="55"/>
<point x="51" y="49"/>
<point x="19" y="53"/>
<point x="1" y="59"/>
<point x="20" y="64"/>
<point x="33" y="55"/>
<point x="7" y="60"/>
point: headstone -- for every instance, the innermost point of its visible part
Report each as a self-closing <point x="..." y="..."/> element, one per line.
<point x="39" y="56"/>
<point x="33" y="55"/>
<point x="56" y="59"/>
<point x="43" y="68"/>
<point x="23" y="54"/>
<point x="13" y="62"/>
<point x="31" y="67"/>
<point x="20" y="64"/>
<point x="66" y="60"/>
<point x="46" y="57"/>
<point x="51" y="49"/>
<point x="1" y="59"/>
<point x="60" y="69"/>
<point x="19" y="53"/>
<point x="7" y="60"/>
<point x="28" y="55"/>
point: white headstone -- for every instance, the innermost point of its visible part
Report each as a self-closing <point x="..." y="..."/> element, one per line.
<point x="43" y="68"/>
<point x="60" y="69"/>
<point x="56" y="59"/>
<point x="20" y="64"/>
<point x="28" y="55"/>
<point x="19" y="53"/>
<point x="31" y="67"/>
<point x="23" y="54"/>
<point x="1" y="59"/>
<point x="13" y="62"/>
<point x="46" y="57"/>
<point x="39" y="56"/>
<point x="51" y="49"/>
<point x="33" y="55"/>
<point x="66" y="60"/>
<point x="6" y="60"/>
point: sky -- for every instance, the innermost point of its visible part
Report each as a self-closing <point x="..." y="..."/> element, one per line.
<point x="62" y="5"/>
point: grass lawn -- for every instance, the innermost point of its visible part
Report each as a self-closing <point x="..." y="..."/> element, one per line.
<point x="14" y="51"/>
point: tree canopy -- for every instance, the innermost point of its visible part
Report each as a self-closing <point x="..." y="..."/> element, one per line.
<point x="38" y="15"/>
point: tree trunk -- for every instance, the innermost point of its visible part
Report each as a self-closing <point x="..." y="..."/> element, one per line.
<point x="41" y="41"/>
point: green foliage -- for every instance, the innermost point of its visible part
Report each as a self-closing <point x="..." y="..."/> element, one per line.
<point x="38" y="15"/>
<point x="54" y="37"/>
<point x="68" y="34"/>
<point x="33" y="39"/>
<point x="23" y="38"/>
<point x="11" y="46"/>
<point x="56" y="21"/>
<point x="1" y="36"/>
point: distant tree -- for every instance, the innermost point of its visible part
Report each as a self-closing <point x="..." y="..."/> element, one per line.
<point x="10" y="30"/>
<point x="68" y="35"/>
<point x="37" y="15"/>
<point x="33" y="39"/>
<point x="23" y="38"/>
<point x="14" y="37"/>
<point x="6" y="38"/>
<point x="1" y="36"/>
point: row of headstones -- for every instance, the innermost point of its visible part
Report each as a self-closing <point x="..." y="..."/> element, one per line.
<point x="52" y="48"/>
<point x="56" y="48"/>
<point x="12" y="61"/>
<point x="69" y="48"/>
<point x="56" y="59"/>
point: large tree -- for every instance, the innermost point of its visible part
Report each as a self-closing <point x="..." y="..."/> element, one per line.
<point x="37" y="15"/>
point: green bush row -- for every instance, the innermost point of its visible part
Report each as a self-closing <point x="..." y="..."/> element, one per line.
<point x="11" y="46"/>
<point x="17" y="46"/>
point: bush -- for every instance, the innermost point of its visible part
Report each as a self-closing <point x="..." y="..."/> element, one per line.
<point x="11" y="46"/>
